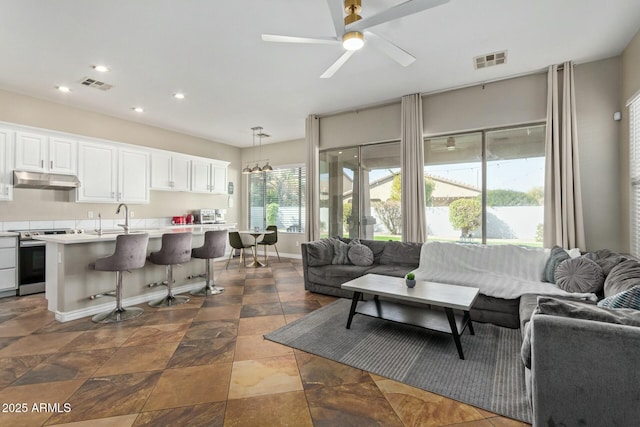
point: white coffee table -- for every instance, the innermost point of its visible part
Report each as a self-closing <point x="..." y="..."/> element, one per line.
<point x="426" y="294"/>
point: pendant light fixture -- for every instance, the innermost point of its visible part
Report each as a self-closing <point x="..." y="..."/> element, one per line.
<point x="257" y="130"/>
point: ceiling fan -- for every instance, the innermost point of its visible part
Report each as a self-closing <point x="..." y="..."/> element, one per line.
<point x="352" y="31"/>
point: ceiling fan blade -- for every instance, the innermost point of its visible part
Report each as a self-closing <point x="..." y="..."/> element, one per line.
<point x="403" y="9"/>
<point x="290" y="39"/>
<point x="336" y="65"/>
<point x="396" y="53"/>
<point x="337" y="16"/>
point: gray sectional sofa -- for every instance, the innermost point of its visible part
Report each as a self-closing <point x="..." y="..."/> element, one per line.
<point x="581" y="361"/>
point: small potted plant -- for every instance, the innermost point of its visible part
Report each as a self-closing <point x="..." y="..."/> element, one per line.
<point x="411" y="280"/>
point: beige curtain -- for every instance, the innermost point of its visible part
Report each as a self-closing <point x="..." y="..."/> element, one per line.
<point x="414" y="223"/>
<point x="563" y="220"/>
<point x="312" y="208"/>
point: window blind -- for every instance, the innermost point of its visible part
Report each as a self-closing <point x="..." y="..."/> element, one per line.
<point x="634" y="172"/>
<point x="278" y="198"/>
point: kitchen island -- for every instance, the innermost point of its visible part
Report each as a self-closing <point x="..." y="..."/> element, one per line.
<point x="70" y="279"/>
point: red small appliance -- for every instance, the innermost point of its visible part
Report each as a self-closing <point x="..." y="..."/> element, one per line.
<point x="178" y="220"/>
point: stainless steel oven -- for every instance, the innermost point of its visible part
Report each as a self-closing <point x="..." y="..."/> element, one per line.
<point x="32" y="261"/>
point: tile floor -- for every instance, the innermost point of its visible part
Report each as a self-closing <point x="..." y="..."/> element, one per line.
<point x="204" y="363"/>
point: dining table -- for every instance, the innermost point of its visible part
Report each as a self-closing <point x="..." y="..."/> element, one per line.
<point x="257" y="234"/>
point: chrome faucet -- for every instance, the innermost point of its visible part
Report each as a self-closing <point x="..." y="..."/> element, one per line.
<point x="99" y="230"/>
<point x="126" y="217"/>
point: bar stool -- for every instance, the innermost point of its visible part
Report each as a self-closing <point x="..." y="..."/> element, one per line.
<point x="130" y="253"/>
<point x="176" y="249"/>
<point x="215" y="243"/>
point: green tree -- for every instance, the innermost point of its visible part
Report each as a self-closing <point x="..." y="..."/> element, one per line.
<point x="509" y="198"/>
<point x="272" y="213"/>
<point x="537" y="193"/>
<point x="346" y="215"/>
<point x="464" y="214"/>
<point x="396" y="189"/>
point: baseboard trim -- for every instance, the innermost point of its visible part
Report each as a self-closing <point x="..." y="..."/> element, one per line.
<point x="66" y="316"/>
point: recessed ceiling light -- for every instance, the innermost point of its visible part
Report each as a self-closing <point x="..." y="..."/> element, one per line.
<point x="101" y="68"/>
<point x="138" y="109"/>
<point x="64" y="89"/>
<point x="178" y="95"/>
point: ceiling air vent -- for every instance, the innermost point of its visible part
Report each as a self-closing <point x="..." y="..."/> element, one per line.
<point x="490" y="59"/>
<point x="97" y="84"/>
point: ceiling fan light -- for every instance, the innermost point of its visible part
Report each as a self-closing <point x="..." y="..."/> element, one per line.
<point x="353" y="40"/>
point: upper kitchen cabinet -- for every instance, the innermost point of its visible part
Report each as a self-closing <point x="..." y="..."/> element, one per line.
<point x="42" y="153"/>
<point x="112" y="174"/>
<point x="6" y="150"/>
<point x="208" y="176"/>
<point x="170" y="172"/>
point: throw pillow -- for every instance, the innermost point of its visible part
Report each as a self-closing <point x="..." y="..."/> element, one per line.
<point x="340" y="252"/>
<point x="556" y="256"/>
<point x="607" y="260"/>
<point x="587" y="311"/>
<point x="622" y="277"/>
<point x="361" y="255"/>
<point x="579" y="275"/>
<point x="320" y="252"/>
<point x="626" y="299"/>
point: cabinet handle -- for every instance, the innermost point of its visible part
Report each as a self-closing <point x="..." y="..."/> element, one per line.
<point x="113" y="194"/>
<point x="42" y="164"/>
<point x="51" y="164"/>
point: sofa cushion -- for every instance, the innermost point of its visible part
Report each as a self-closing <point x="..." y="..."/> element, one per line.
<point x="335" y="275"/>
<point x="340" y="252"/>
<point x="376" y="246"/>
<point x="401" y="253"/>
<point x="360" y="255"/>
<point x="579" y="275"/>
<point x="607" y="260"/>
<point x="556" y="257"/>
<point x="625" y="299"/>
<point x="319" y="252"/>
<point x="622" y="277"/>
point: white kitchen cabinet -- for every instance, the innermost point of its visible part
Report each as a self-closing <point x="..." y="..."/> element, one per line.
<point x="6" y="157"/>
<point x="112" y="174"/>
<point x="208" y="176"/>
<point x="97" y="172"/>
<point x="170" y="172"/>
<point x="41" y="153"/>
<point x="133" y="176"/>
<point x="8" y="263"/>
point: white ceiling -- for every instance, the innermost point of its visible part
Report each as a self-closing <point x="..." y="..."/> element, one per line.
<point x="212" y="51"/>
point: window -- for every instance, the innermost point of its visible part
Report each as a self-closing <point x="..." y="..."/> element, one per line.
<point x="486" y="187"/>
<point x="278" y="198"/>
<point x="634" y="172"/>
<point x="360" y="192"/>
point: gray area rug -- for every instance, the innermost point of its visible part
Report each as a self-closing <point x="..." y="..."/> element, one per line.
<point x="491" y="377"/>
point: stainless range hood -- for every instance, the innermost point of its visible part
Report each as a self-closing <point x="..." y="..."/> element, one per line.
<point x="51" y="181"/>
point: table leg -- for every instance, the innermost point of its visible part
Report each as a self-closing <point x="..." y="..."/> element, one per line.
<point x="454" y="330"/>
<point x="255" y="262"/>
<point x="354" y="304"/>
<point x="467" y="319"/>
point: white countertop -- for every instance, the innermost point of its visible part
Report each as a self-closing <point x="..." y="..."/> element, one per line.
<point x="111" y="234"/>
<point x="8" y="234"/>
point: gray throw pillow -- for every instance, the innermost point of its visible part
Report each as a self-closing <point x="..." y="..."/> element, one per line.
<point x="361" y="255"/>
<point x="622" y="277"/>
<point x="320" y="252"/>
<point x="607" y="260"/>
<point x="587" y="311"/>
<point x="626" y="299"/>
<point x="340" y="252"/>
<point x="579" y="275"/>
<point x="556" y="256"/>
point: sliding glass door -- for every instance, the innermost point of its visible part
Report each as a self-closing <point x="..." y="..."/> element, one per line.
<point x="360" y="192"/>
